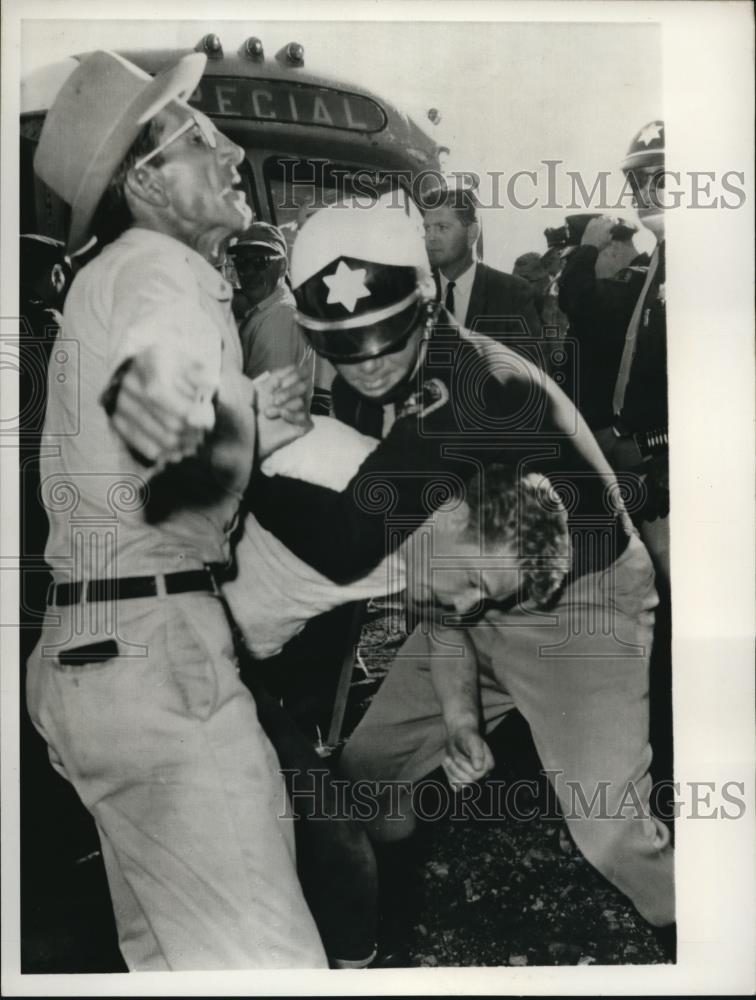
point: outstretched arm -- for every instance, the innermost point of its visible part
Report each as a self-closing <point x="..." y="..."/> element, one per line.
<point x="167" y="413"/>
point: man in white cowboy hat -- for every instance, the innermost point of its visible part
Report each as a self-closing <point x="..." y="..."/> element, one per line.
<point x="134" y="683"/>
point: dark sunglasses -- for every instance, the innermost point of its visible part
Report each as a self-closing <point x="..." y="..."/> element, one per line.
<point x="255" y="263"/>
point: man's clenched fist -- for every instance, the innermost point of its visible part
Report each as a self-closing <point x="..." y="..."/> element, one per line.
<point x="163" y="407"/>
<point x="468" y="757"/>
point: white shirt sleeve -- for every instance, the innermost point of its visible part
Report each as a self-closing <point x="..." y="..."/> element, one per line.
<point x="329" y="455"/>
<point x="156" y="305"/>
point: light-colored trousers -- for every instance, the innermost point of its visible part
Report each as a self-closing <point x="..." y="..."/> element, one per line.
<point x="579" y="676"/>
<point x="163" y="746"/>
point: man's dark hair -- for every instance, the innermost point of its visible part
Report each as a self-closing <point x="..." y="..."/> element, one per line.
<point x="460" y="200"/>
<point x="113" y="215"/>
<point x="508" y="508"/>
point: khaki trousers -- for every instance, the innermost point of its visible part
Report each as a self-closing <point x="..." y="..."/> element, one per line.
<point x="163" y="745"/>
<point x="579" y="676"/>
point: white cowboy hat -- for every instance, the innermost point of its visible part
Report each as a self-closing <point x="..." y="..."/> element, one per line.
<point x="98" y="113"/>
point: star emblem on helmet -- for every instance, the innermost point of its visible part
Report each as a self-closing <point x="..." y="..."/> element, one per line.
<point x="650" y="133"/>
<point x="345" y="286"/>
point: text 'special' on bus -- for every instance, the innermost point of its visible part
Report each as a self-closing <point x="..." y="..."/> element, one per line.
<point x="308" y="139"/>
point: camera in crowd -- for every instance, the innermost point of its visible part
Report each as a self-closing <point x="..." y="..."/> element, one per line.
<point x="571" y="233"/>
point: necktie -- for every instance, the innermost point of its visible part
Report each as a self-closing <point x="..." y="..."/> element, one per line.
<point x="449" y="300"/>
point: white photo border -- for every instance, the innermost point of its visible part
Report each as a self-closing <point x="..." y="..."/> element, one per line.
<point x="709" y="109"/>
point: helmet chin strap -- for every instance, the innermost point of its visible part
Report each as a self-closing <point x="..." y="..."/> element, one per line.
<point x="432" y="310"/>
<point x="398" y="391"/>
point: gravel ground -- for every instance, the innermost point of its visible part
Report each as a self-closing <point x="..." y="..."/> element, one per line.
<point x="516" y="894"/>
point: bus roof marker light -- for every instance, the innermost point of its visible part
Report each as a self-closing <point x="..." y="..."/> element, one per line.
<point x="253" y="48"/>
<point x="295" y="53"/>
<point x="210" y="44"/>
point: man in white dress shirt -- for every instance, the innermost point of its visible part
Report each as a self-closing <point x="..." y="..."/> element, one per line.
<point x="478" y="297"/>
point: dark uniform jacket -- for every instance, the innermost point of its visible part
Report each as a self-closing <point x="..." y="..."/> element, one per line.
<point x="599" y="311"/>
<point x="469" y="404"/>
<point x="644" y="409"/>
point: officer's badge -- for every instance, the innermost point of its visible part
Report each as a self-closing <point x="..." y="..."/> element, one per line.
<point x="627" y="274"/>
<point x="432" y="396"/>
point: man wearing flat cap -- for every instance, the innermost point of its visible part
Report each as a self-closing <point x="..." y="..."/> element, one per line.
<point x="269" y="332"/>
<point x="134" y="684"/>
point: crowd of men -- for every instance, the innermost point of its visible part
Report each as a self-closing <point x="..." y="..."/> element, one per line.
<point x="224" y="518"/>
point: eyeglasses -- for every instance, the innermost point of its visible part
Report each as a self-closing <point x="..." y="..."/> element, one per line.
<point x="255" y="263"/>
<point x="206" y="130"/>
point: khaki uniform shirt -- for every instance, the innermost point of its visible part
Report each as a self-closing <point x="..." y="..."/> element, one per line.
<point x="144" y="289"/>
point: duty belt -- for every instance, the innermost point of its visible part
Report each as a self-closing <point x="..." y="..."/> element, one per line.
<point x="129" y="588"/>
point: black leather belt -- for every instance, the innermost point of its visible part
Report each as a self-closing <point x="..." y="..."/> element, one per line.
<point x="129" y="588"/>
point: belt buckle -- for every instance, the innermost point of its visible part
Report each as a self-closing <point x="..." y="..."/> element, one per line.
<point x="213" y="579"/>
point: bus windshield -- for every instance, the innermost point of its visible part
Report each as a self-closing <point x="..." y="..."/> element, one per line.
<point x="296" y="188"/>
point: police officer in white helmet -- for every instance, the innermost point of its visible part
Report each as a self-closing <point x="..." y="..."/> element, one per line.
<point x="636" y="442"/>
<point x="371" y="314"/>
<point x="623" y="316"/>
<point x="640" y="438"/>
<point x="448" y="404"/>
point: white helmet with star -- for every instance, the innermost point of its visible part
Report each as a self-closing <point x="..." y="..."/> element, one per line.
<point x="360" y="277"/>
<point x="644" y="168"/>
<point x="647" y="147"/>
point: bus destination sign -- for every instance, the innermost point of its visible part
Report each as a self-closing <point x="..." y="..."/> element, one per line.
<point x="290" y="103"/>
